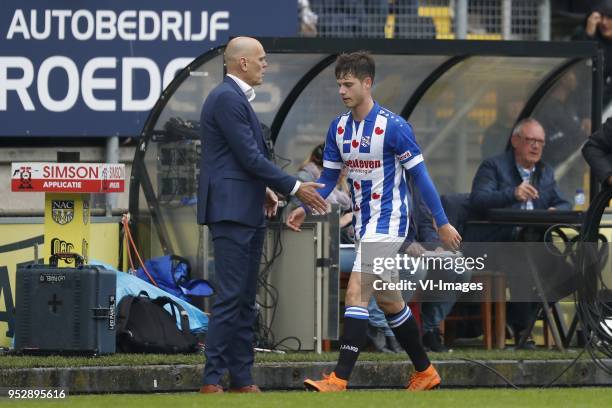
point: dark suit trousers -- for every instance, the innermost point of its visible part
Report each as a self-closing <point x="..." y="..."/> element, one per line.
<point x="229" y="342"/>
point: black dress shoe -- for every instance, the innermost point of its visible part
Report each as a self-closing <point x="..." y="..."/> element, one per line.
<point x="432" y="340"/>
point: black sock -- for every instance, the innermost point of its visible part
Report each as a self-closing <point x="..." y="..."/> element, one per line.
<point x="406" y="331"/>
<point x="353" y="340"/>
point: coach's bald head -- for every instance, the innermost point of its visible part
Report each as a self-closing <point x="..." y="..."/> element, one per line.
<point x="245" y="58"/>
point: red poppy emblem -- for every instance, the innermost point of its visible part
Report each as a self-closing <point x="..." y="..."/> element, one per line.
<point x="375" y="196"/>
<point x="355" y="144"/>
<point x="378" y="131"/>
<point x="340" y="130"/>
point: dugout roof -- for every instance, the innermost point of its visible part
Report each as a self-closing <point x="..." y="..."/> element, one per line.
<point x="462" y="98"/>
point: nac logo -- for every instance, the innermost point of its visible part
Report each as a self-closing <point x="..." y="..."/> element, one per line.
<point x="62" y="211"/>
<point x="59" y="246"/>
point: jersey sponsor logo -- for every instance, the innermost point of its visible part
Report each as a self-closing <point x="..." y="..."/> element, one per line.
<point x="363" y="164"/>
<point x="405" y="155"/>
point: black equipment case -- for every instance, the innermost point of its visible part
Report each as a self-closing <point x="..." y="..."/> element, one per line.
<point x="65" y="310"/>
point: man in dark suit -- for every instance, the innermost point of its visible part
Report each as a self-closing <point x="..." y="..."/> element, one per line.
<point x="516" y="179"/>
<point x="235" y="193"/>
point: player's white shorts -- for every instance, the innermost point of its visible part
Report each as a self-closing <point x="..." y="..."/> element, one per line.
<point x="382" y="245"/>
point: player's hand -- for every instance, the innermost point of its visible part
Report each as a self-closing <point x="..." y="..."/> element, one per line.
<point x="450" y="237"/>
<point x="296" y="219"/>
<point x="525" y="192"/>
<point x="592" y="23"/>
<point x="308" y="195"/>
<point x="271" y="204"/>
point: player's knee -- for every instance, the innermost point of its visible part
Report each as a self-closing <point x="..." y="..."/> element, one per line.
<point x="390" y="308"/>
<point x="354" y="297"/>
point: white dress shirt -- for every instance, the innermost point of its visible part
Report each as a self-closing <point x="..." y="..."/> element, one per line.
<point x="248" y="90"/>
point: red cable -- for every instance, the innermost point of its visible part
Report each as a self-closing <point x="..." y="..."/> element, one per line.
<point x="129" y="235"/>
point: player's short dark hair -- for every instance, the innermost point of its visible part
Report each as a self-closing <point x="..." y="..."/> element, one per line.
<point x="360" y="64"/>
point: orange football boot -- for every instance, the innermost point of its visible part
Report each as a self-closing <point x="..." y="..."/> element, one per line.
<point x="329" y="383"/>
<point x="424" y="380"/>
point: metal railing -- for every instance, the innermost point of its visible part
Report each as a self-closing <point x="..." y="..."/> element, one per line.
<point x="441" y="19"/>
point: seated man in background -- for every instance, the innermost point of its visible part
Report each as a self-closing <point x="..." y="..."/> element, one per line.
<point x="515" y="179"/>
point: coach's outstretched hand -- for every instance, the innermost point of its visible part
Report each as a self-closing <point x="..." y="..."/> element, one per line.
<point x="449" y="236"/>
<point x="308" y="195"/>
<point x="296" y="218"/>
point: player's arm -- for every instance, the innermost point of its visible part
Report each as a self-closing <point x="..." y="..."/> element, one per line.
<point x="449" y="236"/>
<point x="410" y="156"/>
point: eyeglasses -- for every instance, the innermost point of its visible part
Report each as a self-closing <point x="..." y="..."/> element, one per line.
<point x="532" y="141"/>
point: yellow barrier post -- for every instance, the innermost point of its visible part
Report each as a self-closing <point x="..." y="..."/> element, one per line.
<point x="67" y="188"/>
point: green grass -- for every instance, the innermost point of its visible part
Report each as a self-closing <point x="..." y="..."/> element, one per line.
<point x="9" y="361"/>
<point x="555" y="397"/>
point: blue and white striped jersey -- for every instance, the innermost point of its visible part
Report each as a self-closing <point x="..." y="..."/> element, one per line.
<point x="375" y="152"/>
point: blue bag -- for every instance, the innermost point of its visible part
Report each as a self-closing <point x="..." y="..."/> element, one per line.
<point x="172" y="273"/>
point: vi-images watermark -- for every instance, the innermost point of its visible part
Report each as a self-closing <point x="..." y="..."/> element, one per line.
<point x="428" y="285"/>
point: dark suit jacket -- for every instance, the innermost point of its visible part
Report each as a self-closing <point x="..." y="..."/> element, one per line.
<point x="234" y="165"/>
<point x="493" y="187"/>
<point x="598" y="152"/>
